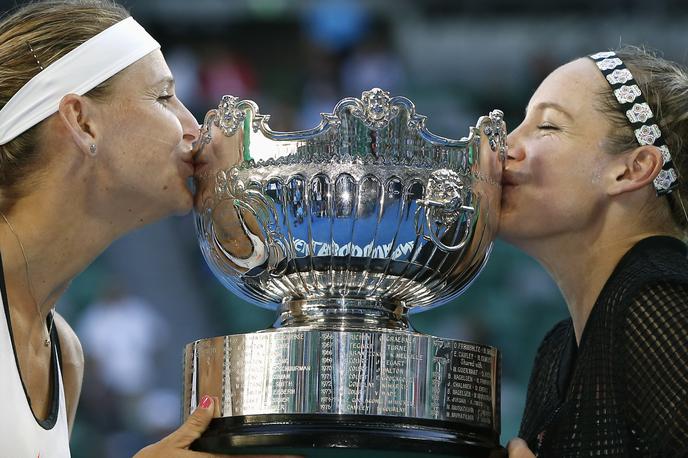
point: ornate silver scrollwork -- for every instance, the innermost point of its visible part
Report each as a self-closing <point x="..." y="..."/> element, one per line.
<point x="495" y="134"/>
<point x="231" y="117"/>
<point x="273" y="248"/>
<point x="228" y="116"/>
<point x="375" y="108"/>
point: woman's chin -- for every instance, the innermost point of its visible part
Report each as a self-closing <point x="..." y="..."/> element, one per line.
<point x="508" y="229"/>
<point x="185" y="205"/>
<point x="181" y="206"/>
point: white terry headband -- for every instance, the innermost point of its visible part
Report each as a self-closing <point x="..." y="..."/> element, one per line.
<point x="77" y="72"/>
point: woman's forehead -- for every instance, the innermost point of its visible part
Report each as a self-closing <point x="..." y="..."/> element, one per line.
<point x="574" y="86"/>
<point x="148" y="71"/>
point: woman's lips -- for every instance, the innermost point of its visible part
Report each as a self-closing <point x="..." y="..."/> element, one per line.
<point x="186" y="164"/>
<point x="511" y="179"/>
<point x="200" y="167"/>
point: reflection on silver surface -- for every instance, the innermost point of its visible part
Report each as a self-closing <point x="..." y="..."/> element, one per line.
<point x="299" y="370"/>
<point x="398" y="214"/>
<point x="343" y="229"/>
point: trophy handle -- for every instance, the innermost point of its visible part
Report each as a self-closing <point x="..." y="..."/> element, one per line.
<point x="259" y="253"/>
<point x="274" y="241"/>
<point x="433" y="234"/>
<point x="444" y="204"/>
<point x="267" y="244"/>
<point x="431" y="206"/>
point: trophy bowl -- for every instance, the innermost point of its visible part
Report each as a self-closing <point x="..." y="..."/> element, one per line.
<point x="343" y="230"/>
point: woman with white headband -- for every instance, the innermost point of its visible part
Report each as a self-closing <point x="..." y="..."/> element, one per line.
<point x="93" y="144"/>
<point x="595" y="189"/>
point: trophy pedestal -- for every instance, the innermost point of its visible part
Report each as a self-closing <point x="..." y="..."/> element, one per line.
<point x="385" y="389"/>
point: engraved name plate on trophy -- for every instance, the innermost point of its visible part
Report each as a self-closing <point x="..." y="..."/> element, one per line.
<point x="344" y="230"/>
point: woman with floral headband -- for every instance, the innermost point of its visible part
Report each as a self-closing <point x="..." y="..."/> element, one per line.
<point x="93" y="144"/>
<point x="595" y="188"/>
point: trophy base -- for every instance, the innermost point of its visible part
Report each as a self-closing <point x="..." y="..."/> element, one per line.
<point x="388" y="389"/>
<point x="268" y="432"/>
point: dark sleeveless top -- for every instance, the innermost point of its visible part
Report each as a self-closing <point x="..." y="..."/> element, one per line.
<point x="623" y="392"/>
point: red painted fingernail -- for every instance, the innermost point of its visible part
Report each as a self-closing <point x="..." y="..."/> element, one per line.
<point x="206" y="401"/>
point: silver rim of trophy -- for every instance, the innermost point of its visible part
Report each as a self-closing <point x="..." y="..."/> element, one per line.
<point x="344" y="230"/>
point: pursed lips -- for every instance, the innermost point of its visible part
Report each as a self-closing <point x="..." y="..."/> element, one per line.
<point x="200" y="161"/>
<point x="511" y="179"/>
<point x="187" y="159"/>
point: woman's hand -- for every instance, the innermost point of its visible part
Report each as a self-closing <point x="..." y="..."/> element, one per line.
<point x="176" y="445"/>
<point x="518" y="448"/>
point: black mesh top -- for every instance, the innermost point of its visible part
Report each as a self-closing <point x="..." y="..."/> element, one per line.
<point x="624" y="390"/>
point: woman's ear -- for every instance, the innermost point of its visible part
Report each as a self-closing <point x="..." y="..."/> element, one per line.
<point x="76" y="114"/>
<point x="637" y="169"/>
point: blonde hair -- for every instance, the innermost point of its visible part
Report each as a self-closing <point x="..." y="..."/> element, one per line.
<point x="664" y="85"/>
<point x="35" y="36"/>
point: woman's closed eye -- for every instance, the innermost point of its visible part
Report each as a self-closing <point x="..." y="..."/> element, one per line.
<point x="165" y="98"/>
<point x="547" y="126"/>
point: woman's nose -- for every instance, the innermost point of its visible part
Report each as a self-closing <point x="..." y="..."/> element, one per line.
<point x="189" y="124"/>
<point x="515" y="151"/>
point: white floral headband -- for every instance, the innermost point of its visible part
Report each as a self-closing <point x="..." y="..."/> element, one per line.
<point x="639" y="114"/>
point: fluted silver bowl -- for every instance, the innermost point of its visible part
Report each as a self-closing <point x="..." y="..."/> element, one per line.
<point x="343" y="229"/>
<point x="367" y="211"/>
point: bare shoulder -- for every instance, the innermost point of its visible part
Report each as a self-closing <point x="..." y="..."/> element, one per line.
<point x="72" y="365"/>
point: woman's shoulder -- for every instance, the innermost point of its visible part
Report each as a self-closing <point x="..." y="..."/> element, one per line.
<point x="652" y="259"/>
<point x="652" y="262"/>
<point x="657" y="308"/>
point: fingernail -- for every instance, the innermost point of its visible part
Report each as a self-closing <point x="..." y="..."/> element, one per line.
<point x="206" y="401"/>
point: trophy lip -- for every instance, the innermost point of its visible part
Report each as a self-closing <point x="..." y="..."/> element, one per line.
<point x="376" y="109"/>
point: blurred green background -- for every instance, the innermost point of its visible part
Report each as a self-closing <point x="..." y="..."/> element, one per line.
<point x="151" y="293"/>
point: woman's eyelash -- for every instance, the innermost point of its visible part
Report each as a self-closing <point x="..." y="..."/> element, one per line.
<point x="548" y="127"/>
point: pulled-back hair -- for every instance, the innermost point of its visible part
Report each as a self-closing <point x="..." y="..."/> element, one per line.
<point x="665" y="87"/>
<point x="35" y="36"/>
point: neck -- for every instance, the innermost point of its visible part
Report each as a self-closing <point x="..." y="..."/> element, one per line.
<point x="58" y="242"/>
<point x="581" y="265"/>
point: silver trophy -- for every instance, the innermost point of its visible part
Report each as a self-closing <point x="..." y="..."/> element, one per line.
<point x="344" y="230"/>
